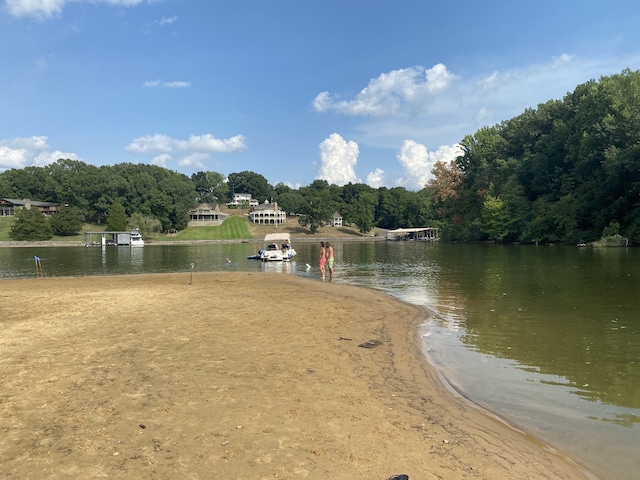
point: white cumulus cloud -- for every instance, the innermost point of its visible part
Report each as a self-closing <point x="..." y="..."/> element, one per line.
<point x="193" y="152"/>
<point x="398" y="92"/>
<point x="29" y="151"/>
<point x="376" y="179"/>
<point x="161" y="160"/>
<point x="338" y="159"/>
<point x="417" y="162"/>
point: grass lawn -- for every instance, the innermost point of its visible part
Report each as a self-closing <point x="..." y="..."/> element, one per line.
<point x="233" y="228"/>
<point x="5" y="227"/>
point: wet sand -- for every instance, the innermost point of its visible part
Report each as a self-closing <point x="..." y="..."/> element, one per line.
<point x="235" y="376"/>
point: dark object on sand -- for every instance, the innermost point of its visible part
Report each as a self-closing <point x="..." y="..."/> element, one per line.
<point x="371" y="344"/>
<point x="399" y="477"/>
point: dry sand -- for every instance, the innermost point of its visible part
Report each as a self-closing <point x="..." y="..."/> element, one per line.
<point x="236" y="376"/>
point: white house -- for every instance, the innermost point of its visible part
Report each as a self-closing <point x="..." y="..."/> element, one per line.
<point x="241" y="198"/>
<point x="336" y="220"/>
<point x="268" y="214"/>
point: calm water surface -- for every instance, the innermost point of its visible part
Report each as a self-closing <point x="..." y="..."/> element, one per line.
<point x="547" y="337"/>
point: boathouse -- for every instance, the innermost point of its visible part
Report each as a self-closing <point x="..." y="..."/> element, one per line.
<point x="105" y="239"/>
<point x="419" y="233"/>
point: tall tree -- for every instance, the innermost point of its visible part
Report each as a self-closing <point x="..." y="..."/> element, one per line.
<point x="363" y="215"/>
<point x="117" y="219"/>
<point x="68" y="221"/>
<point x="31" y="225"/>
<point x="495" y="220"/>
<point x="210" y="187"/>
<point x="316" y="210"/>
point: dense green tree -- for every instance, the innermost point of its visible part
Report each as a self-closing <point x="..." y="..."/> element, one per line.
<point x="29" y="182"/>
<point x="316" y="210"/>
<point x="210" y="187"/>
<point x="396" y="208"/>
<point x="291" y="202"/>
<point x="146" y="225"/>
<point x="253" y="183"/>
<point x="76" y="184"/>
<point x="363" y="213"/>
<point x="68" y="221"/>
<point x="31" y="225"/>
<point x="281" y="188"/>
<point x="117" y="218"/>
<point x="495" y="220"/>
<point x="5" y="187"/>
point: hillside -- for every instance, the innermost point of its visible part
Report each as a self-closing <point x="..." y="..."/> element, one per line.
<point x="293" y="228"/>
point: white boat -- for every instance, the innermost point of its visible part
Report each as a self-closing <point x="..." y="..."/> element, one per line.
<point x="277" y="248"/>
<point x="136" y="238"/>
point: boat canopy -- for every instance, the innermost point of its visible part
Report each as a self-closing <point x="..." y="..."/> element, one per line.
<point x="277" y="238"/>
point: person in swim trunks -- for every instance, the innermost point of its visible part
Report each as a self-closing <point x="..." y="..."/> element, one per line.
<point x="323" y="259"/>
<point x="329" y="255"/>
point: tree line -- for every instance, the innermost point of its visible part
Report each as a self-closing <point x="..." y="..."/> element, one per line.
<point x="566" y="171"/>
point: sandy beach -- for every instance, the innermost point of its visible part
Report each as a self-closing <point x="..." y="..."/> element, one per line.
<point x="235" y="376"/>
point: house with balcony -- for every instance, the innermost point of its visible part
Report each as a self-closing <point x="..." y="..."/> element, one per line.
<point x="206" y="215"/>
<point x="336" y="220"/>
<point x="268" y="214"/>
<point x="8" y="206"/>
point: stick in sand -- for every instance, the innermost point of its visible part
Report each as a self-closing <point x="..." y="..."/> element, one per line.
<point x="191" y="273"/>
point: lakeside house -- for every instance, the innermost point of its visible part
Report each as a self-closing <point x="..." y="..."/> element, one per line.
<point x="243" y="199"/>
<point x="206" y="215"/>
<point x="268" y="214"/>
<point x="8" y="206"/>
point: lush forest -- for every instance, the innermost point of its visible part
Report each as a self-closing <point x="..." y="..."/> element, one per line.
<point x="567" y="171"/>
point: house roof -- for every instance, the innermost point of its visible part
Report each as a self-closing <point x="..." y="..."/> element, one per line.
<point x="33" y="202"/>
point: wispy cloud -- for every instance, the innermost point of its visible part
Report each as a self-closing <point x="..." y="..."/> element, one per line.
<point x="163" y="84"/>
<point x="44" y="9"/>
<point x="167" y="21"/>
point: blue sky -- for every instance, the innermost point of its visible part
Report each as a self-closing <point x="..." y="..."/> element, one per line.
<point x="343" y="90"/>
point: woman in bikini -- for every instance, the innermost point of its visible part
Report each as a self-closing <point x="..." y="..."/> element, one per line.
<point x="323" y="259"/>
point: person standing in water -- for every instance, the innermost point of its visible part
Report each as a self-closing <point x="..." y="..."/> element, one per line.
<point x="323" y="258"/>
<point x="329" y="255"/>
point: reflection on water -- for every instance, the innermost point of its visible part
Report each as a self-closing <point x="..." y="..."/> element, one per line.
<point x="548" y="337"/>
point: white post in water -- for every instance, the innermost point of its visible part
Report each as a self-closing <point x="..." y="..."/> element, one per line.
<point x="39" y="272"/>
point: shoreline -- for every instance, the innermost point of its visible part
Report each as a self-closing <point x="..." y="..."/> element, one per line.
<point x="289" y="370"/>
<point x="78" y="243"/>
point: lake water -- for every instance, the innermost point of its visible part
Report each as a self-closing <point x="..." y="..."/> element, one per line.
<point x="546" y="337"/>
